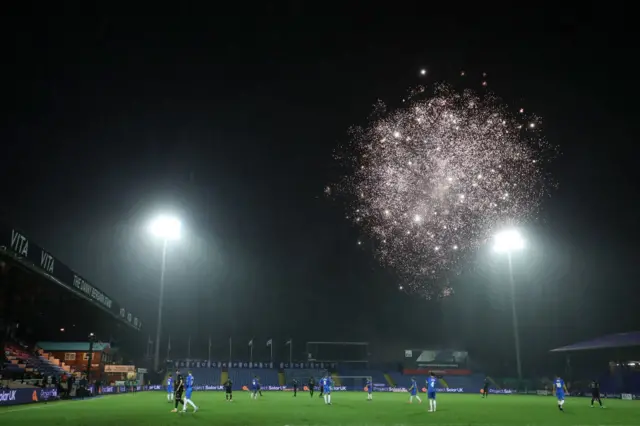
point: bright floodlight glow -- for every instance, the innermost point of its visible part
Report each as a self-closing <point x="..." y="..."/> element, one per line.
<point x="166" y="227"/>
<point x="508" y="241"/>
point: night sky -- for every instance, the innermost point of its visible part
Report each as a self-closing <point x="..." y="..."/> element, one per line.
<point x="230" y="122"/>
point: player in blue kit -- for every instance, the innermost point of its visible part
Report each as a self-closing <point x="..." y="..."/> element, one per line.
<point x="369" y="389"/>
<point x="170" y="388"/>
<point x="255" y="387"/>
<point x="327" y="390"/>
<point x="560" y="388"/>
<point x="432" y="382"/>
<point x="188" y="384"/>
<point x="413" y="390"/>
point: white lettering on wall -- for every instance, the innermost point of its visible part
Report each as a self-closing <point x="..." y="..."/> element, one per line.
<point x="91" y="291"/>
<point x="47" y="261"/>
<point x="19" y="243"/>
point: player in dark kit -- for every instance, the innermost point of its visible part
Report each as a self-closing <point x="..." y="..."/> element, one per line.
<point x="311" y="385"/>
<point x="179" y="391"/>
<point x="485" y="391"/>
<point x="227" y="389"/>
<point x="295" y="387"/>
<point x="321" y="387"/>
<point x="595" y="393"/>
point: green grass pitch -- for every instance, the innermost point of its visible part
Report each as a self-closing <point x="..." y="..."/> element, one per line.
<point x="348" y="409"/>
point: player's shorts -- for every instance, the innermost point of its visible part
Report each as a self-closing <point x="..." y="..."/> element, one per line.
<point x="178" y="394"/>
<point x="169" y="390"/>
<point x="227" y="389"/>
<point x="327" y="389"/>
<point x="560" y="396"/>
<point x="431" y="395"/>
<point x="256" y="389"/>
<point x="188" y="393"/>
<point x="414" y="393"/>
<point x="370" y="389"/>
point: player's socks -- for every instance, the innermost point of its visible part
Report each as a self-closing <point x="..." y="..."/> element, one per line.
<point x="329" y="398"/>
<point x="418" y="398"/>
<point x="434" y="405"/>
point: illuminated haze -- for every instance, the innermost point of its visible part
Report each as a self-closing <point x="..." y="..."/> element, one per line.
<point x="431" y="181"/>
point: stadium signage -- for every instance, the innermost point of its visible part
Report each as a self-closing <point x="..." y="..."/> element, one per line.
<point x="47" y="394"/>
<point x="26" y="395"/>
<point x="8" y="396"/>
<point x="119" y="368"/>
<point x="36" y="258"/>
<point x="19" y="243"/>
<point x="502" y="391"/>
<point x="91" y="291"/>
<point x="423" y="371"/>
<point x="47" y="262"/>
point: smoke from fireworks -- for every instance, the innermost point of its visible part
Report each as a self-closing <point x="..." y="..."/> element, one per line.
<point x="433" y="180"/>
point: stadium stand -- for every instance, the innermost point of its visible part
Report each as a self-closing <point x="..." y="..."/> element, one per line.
<point x="615" y="377"/>
<point x="473" y="381"/>
<point x="207" y="376"/>
<point x="20" y="362"/>
<point x="43" y="299"/>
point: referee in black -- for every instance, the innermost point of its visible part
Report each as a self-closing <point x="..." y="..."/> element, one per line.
<point x="485" y="391"/>
<point x="595" y="393"/>
<point x="179" y="390"/>
<point x="295" y="387"/>
<point x="311" y="385"/>
<point x="228" y="385"/>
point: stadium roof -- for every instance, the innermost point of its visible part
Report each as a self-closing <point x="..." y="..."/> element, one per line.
<point x="72" y="346"/>
<point x="619" y="340"/>
<point x="15" y="245"/>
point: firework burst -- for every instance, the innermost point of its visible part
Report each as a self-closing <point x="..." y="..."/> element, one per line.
<point x="430" y="182"/>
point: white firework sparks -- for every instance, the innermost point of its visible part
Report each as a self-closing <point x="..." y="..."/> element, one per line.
<point x="433" y="180"/>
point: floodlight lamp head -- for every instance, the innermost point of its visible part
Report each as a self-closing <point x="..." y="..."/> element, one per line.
<point x="508" y="241"/>
<point x="166" y="227"/>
